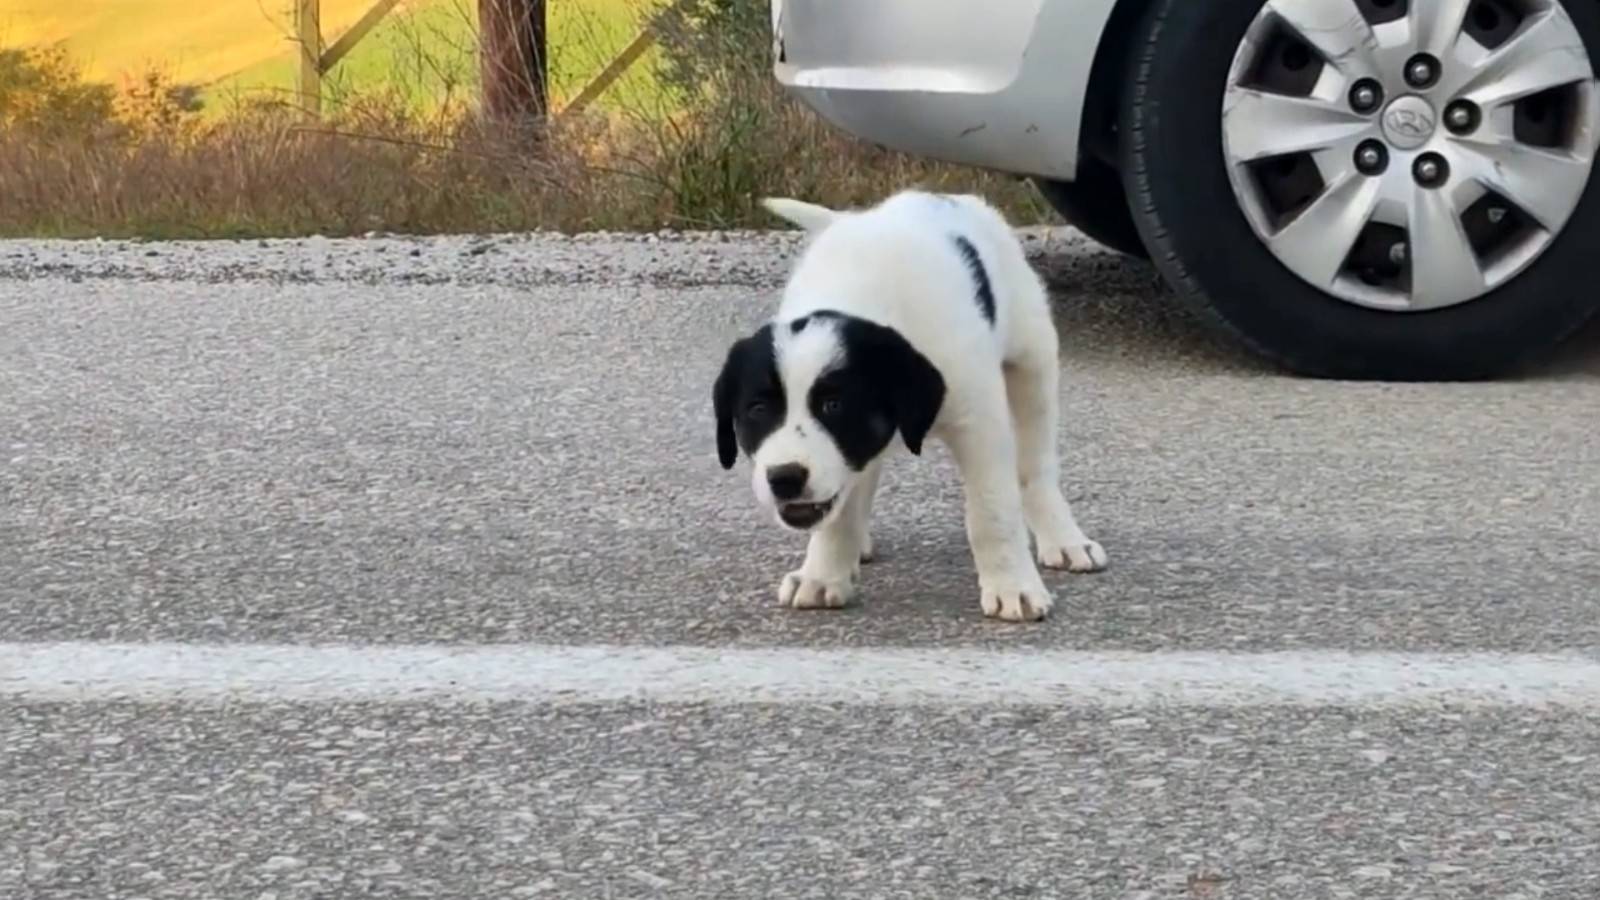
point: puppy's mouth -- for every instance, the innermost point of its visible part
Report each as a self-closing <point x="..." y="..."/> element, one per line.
<point x="803" y="516"/>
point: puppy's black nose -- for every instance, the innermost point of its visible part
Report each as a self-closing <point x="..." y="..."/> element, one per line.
<point x="787" y="481"/>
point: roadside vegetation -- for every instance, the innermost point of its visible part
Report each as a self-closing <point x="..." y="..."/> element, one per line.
<point x="689" y="141"/>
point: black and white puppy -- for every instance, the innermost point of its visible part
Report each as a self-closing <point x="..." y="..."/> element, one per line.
<point x="917" y="318"/>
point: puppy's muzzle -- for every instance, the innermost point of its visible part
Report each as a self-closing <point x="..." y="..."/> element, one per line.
<point x="788" y="485"/>
<point x="804" y="515"/>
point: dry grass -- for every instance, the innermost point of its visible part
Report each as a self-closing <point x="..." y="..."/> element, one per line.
<point x="80" y="159"/>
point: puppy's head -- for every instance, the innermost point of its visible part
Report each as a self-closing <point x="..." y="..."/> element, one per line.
<point x="813" y="402"/>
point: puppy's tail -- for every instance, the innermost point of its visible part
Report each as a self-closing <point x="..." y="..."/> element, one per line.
<point x="809" y="216"/>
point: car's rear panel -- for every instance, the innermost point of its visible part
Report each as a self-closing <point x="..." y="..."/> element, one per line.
<point x="999" y="85"/>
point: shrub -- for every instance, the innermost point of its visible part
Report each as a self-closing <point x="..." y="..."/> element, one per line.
<point x="44" y="95"/>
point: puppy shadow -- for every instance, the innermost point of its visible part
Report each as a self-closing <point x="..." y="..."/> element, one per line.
<point x="923" y="574"/>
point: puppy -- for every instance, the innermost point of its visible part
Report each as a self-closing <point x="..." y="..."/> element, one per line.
<point x="918" y="318"/>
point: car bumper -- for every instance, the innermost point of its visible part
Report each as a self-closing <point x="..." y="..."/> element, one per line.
<point x="1000" y="87"/>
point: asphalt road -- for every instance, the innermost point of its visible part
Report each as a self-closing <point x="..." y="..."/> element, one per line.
<point x="477" y="443"/>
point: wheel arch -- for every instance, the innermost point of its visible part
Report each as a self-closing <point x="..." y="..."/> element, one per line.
<point x="1108" y="81"/>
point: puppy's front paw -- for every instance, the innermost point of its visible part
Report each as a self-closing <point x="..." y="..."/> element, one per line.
<point x="1015" y="599"/>
<point x="804" y="592"/>
<point x="1086" y="557"/>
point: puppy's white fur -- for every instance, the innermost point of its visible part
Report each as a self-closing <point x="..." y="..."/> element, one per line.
<point x="897" y="264"/>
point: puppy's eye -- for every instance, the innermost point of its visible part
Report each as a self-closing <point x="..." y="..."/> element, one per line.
<point x="832" y="406"/>
<point x="756" y="409"/>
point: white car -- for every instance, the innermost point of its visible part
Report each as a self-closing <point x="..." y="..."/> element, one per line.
<point x="1358" y="188"/>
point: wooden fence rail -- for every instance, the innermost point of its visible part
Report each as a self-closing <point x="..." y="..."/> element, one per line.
<point x="317" y="60"/>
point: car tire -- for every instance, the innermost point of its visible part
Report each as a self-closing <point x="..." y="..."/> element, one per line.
<point x="1095" y="203"/>
<point x="1198" y="225"/>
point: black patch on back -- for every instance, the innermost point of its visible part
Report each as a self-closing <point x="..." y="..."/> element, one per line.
<point x="748" y="396"/>
<point x="980" y="276"/>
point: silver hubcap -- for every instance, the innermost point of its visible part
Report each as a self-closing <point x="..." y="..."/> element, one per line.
<point x="1460" y="178"/>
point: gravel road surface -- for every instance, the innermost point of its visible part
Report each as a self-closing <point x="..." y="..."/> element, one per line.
<point x="404" y="568"/>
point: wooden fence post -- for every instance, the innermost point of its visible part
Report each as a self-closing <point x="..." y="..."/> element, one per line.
<point x="513" y="60"/>
<point x="308" y="33"/>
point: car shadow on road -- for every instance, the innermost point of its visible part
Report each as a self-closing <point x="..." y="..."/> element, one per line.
<point x="1577" y="359"/>
<point x="1113" y="308"/>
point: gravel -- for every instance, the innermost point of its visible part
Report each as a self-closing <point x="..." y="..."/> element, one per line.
<point x="664" y="259"/>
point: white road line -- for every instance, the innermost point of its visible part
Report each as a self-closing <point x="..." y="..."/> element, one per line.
<point x="85" y="671"/>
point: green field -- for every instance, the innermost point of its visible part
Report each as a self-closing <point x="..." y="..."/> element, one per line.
<point x="243" y="47"/>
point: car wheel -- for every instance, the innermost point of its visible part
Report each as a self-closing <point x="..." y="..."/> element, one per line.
<point x="1372" y="188"/>
<point x="1096" y="204"/>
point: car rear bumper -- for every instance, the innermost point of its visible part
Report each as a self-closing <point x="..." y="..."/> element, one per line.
<point x="999" y="85"/>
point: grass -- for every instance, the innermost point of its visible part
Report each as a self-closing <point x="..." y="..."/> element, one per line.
<point x="197" y="40"/>
<point x="427" y="47"/>
<point x="234" y="48"/>
<point x="692" y="142"/>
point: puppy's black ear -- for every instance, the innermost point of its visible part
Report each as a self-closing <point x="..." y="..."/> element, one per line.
<point x="723" y="395"/>
<point x="916" y="389"/>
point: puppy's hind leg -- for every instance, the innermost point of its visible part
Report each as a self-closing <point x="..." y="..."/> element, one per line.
<point x="1032" y="385"/>
<point x="1009" y="583"/>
